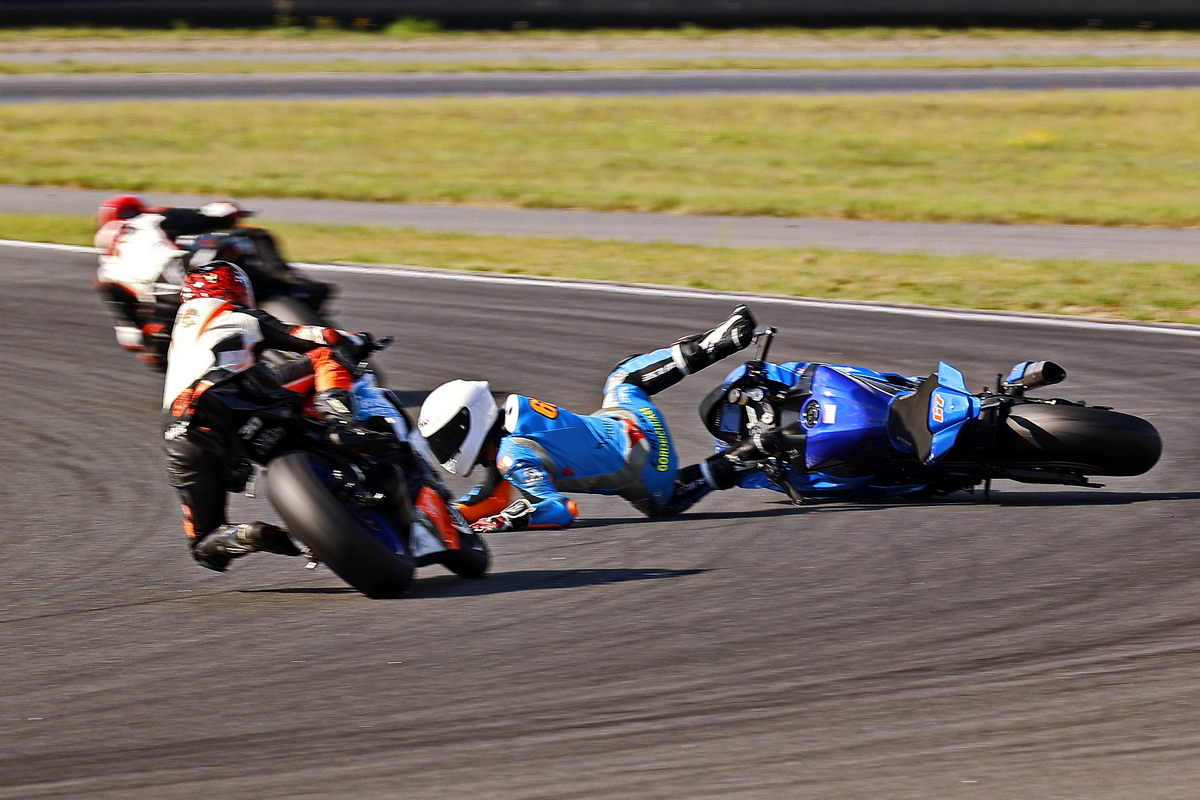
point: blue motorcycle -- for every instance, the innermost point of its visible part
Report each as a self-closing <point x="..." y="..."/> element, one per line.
<point x="831" y="430"/>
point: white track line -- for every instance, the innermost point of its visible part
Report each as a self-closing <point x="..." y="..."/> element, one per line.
<point x="70" y="248"/>
<point x="929" y="312"/>
<point x="795" y="302"/>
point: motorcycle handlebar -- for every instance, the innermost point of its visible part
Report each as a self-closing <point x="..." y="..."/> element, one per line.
<point x="764" y="338"/>
<point x="374" y="347"/>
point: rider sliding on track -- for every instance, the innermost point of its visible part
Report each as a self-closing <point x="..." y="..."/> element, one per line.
<point x="219" y="333"/>
<point x="535" y="451"/>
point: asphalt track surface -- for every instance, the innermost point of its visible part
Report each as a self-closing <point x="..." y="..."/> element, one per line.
<point x="1014" y="241"/>
<point x="1041" y="645"/>
<point x="184" y="86"/>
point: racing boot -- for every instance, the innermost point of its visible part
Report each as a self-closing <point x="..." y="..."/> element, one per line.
<point x="716" y="473"/>
<point x="704" y="349"/>
<point x="662" y="369"/>
<point x="228" y="542"/>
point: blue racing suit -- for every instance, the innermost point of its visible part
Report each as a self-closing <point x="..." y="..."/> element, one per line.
<point x="623" y="449"/>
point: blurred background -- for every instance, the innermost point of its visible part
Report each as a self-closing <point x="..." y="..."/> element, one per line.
<point x="474" y="13"/>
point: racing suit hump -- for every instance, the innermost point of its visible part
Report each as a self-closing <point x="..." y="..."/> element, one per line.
<point x="209" y="334"/>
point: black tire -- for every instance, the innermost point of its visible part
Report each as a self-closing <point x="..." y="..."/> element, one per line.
<point x="1095" y="441"/>
<point x="336" y="538"/>
<point x="472" y="560"/>
<point x="291" y="311"/>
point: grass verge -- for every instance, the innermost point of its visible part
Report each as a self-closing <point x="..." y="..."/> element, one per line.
<point x="1148" y="292"/>
<point x="1083" y="157"/>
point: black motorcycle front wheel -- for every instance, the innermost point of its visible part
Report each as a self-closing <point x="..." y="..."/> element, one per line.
<point x="471" y="560"/>
<point x="1095" y="441"/>
<point x="334" y="534"/>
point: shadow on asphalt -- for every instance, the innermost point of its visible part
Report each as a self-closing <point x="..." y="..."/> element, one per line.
<point x="503" y="582"/>
<point x="833" y="505"/>
<point x="1085" y="498"/>
<point x="303" y="590"/>
<point x="531" y="580"/>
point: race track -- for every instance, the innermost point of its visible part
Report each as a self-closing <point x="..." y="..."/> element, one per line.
<point x="1041" y="646"/>
<point x="101" y="87"/>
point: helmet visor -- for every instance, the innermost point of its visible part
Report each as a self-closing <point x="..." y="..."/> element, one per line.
<point x="446" y="443"/>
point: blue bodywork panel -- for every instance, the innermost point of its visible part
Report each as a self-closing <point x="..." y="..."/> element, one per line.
<point x="851" y="417"/>
<point x="950" y="406"/>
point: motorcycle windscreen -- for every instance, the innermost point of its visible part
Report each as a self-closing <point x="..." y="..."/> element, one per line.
<point x="929" y="420"/>
<point x="845" y="423"/>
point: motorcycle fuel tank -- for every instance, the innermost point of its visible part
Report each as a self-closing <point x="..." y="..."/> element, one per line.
<point x="843" y="418"/>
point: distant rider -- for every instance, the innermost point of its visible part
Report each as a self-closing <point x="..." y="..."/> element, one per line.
<point x="138" y="252"/>
<point x="535" y="451"/>
<point x="219" y="333"/>
<point x="146" y="251"/>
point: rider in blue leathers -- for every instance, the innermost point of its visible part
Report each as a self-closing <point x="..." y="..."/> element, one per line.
<point x="535" y="451"/>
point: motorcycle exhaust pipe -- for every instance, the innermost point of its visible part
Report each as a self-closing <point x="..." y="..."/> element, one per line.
<point x="1032" y="374"/>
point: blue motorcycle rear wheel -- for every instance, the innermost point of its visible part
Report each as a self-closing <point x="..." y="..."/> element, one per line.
<point x="335" y="535"/>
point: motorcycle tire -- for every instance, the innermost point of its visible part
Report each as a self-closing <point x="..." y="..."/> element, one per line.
<point x="471" y="560"/>
<point x="331" y="531"/>
<point x="1095" y="441"/>
<point x="291" y="311"/>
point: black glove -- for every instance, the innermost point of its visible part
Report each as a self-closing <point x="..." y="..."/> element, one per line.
<point x="362" y="348"/>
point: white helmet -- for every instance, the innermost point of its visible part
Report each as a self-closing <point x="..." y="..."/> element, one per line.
<point x="455" y="419"/>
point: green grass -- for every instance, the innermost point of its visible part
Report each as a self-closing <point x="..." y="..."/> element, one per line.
<point x="1159" y="292"/>
<point x="1050" y="157"/>
<point x="55" y="228"/>
<point x="67" y="66"/>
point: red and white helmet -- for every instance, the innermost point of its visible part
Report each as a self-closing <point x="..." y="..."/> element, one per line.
<point x="218" y="279"/>
<point x="122" y="206"/>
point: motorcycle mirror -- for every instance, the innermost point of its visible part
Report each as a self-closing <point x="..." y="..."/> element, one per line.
<point x="1032" y="374"/>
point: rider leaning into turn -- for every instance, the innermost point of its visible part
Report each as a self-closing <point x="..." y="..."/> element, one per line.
<point x="535" y="451"/>
<point x="219" y="333"/>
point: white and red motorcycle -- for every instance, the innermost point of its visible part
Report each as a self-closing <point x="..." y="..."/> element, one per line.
<point x="145" y="252"/>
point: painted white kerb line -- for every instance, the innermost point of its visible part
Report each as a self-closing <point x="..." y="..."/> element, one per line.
<point x="69" y="248"/>
<point x="691" y="294"/>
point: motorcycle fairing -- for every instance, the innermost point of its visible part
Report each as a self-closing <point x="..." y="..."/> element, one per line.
<point x="929" y="420"/>
<point x="836" y="421"/>
<point x="822" y="484"/>
<point x="728" y="422"/>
